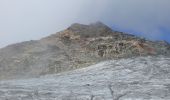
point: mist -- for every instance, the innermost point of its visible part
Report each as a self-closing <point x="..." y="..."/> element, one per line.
<point x="23" y="20"/>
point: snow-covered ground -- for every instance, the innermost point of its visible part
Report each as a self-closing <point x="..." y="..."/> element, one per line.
<point x="142" y="78"/>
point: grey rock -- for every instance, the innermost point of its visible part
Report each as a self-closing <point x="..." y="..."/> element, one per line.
<point x="141" y="78"/>
<point x="76" y="47"/>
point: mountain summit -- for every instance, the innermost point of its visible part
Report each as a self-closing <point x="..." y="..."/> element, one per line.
<point x="94" y="29"/>
<point x="77" y="46"/>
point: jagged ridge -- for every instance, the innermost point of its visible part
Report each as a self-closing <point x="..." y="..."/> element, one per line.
<point x="77" y="46"/>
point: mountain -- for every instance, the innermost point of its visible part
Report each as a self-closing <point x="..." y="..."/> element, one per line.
<point x="140" y="78"/>
<point x="75" y="47"/>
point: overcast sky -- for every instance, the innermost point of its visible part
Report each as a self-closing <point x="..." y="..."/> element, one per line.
<point x="22" y="20"/>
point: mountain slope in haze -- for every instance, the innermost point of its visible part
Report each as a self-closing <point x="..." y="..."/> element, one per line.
<point x="140" y="78"/>
<point x="77" y="46"/>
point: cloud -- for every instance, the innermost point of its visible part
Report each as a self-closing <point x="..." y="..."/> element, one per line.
<point x="141" y="16"/>
<point x="32" y="19"/>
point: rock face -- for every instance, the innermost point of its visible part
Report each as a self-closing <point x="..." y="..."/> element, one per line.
<point x="77" y="46"/>
<point x="140" y="78"/>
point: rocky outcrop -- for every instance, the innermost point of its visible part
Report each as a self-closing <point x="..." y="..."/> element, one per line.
<point x="76" y="47"/>
<point x="140" y="78"/>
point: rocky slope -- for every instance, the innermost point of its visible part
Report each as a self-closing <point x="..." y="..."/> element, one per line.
<point x="76" y="47"/>
<point x="140" y="78"/>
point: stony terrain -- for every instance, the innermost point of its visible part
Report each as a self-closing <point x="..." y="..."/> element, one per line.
<point x="141" y="78"/>
<point x="76" y="47"/>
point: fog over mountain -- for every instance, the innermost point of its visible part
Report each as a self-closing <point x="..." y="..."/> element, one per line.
<point x="86" y="62"/>
<point x="33" y="19"/>
<point x="84" y="50"/>
<point x="77" y="46"/>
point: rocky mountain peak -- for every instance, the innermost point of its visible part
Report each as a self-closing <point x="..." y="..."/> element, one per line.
<point x="91" y="30"/>
<point x="76" y="47"/>
<point x="99" y="24"/>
